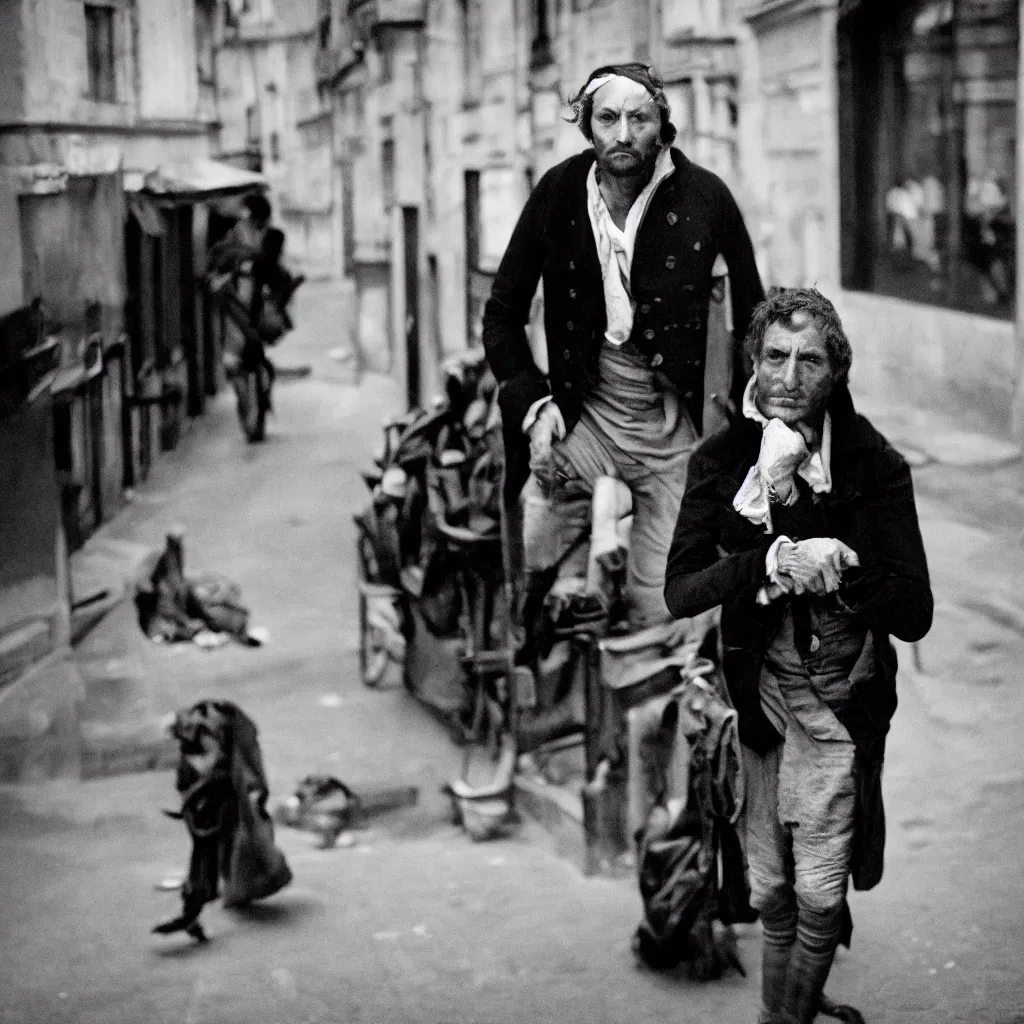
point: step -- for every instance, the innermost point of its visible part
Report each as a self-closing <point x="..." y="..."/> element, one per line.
<point x="126" y="747"/>
<point x="559" y="811"/>
<point x="39" y="737"/>
<point x="22" y="647"/>
<point x="104" y="573"/>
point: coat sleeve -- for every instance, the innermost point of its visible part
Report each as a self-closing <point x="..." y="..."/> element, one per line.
<point x="698" y="576"/>
<point x="508" y="309"/>
<point x="744" y="285"/>
<point x="891" y="591"/>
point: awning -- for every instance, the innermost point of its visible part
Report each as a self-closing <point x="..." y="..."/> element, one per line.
<point x="195" y="180"/>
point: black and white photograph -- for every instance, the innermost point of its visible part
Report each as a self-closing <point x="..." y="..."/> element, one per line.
<point x="511" y="511"/>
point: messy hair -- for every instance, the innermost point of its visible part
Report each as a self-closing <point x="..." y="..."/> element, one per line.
<point x="582" y="104"/>
<point x="783" y="305"/>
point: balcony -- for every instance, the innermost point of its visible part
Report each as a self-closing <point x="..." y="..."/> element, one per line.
<point x="370" y="15"/>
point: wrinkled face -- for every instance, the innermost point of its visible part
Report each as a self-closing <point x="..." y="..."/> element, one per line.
<point x="794" y="374"/>
<point x="626" y="124"/>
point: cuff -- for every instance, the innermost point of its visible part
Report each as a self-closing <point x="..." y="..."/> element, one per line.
<point x="771" y="567"/>
<point x="771" y="559"/>
<point x="534" y="411"/>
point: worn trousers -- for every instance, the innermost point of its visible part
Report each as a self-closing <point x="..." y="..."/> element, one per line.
<point x="553" y="524"/>
<point x="799" y="873"/>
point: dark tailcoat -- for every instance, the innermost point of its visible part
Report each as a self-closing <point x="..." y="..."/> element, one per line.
<point x="718" y="558"/>
<point x="692" y="217"/>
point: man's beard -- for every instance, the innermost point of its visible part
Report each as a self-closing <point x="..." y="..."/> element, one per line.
<point x="641" y="168"/>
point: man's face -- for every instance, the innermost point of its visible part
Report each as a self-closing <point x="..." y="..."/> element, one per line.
<point x="626" y="124"/>
<point x="794" y="373"/>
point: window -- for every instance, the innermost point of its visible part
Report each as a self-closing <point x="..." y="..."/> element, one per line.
<point x="928" y="139"/>
<point x="324" y="19"/>
<point x="99" y="46"/>
<point x="472" y="52"/>
<point x="387" y="168"/>
<point x="540" y="48"/>
<point x="252" y="126"/>
<point x="206" y="13"/>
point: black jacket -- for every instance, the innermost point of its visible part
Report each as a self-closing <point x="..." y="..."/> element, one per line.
<point x="691" y="219"/>
<point x="718" y="558"/>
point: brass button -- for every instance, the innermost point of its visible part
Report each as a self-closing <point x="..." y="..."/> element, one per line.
<point x="567" y="354"/>
<point x="568" y="385"/>
<point x="645" y="308"/>
<point x="671" y="263"/>
<point x="657" y="359"/>
<point x="696" y="246"/>
<point x="572" y="264"/>
<point x="672" y="218"/>
<point x="689" y="394"/>
<point x="649" y="334"/>
<point x="657" y="298"/>
<point x="570" y="326"/>
<point x="572" y="293"/>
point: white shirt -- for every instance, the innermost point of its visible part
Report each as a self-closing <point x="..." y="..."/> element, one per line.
<point x="615" y="253"/>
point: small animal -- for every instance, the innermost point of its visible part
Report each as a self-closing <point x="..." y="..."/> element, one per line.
<point x="323" y="805"/>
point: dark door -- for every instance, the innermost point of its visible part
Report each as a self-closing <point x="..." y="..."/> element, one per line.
<point x="472" y="240"/>
<point x="411" y="232"/>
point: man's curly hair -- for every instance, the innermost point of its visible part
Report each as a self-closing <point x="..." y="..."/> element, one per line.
<point x="582" y="104"/>
<point x="785" y="304"/>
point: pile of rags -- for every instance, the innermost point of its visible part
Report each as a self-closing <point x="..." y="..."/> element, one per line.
<point x="205" y="611"/>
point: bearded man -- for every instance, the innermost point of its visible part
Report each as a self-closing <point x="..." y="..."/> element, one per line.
<point x="799" y="520"/>
<point x="628" y="237"/>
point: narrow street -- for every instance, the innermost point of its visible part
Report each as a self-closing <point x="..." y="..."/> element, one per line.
<point x="415" y="922"/>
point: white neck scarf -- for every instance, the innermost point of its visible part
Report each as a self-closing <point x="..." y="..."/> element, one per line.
<point x="751" y="499"/>
<point x="615" y="247"/>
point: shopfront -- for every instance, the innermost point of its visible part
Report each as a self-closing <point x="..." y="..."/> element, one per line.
<point x="904" y="161"/>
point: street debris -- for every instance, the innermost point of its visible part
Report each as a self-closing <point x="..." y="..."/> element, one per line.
<point x="328" y="808"/>
<point x="171" y="883"/>
<point x="223" y="804"/>
<point x="206" y="611"/>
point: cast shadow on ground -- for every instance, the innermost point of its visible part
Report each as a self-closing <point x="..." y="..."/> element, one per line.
<point x="284" y="909"/>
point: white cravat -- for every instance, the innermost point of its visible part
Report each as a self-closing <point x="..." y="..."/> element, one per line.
<point x="615" y="247"/>
<point x="615" y="254"/>
<point x="751" y="500"/>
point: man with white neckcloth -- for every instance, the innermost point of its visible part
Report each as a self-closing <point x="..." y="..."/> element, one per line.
<point x="628" y="237"/>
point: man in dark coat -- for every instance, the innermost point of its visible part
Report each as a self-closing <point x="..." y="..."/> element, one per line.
<point x="799" y="520"/>
<point x="628" y="238"/>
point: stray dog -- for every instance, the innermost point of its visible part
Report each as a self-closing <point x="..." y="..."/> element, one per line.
<point x="323" y="805"/>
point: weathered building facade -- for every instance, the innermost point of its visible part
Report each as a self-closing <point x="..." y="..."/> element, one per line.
<point x="872" y="147"/>
<point x="107" y="343"/>
<point x="882" y="154"/>
<point x="444" y="114"/>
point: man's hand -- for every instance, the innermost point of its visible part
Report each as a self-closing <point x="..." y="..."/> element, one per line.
<point x="542" y="436"/>
<point x="815" y="566"/>
<point x="782" y="453"/>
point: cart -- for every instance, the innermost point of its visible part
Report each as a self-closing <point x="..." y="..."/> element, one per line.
<point x="442" y="593"/>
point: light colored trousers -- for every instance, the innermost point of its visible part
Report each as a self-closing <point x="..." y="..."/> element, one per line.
<point x="554" y="524"/>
